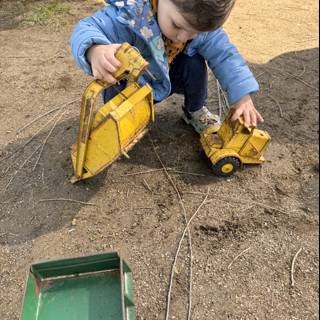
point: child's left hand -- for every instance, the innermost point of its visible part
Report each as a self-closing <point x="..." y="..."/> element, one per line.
<point x="245" y="107"/>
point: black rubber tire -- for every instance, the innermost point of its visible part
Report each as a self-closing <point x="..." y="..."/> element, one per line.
<point x="217" y="168"/>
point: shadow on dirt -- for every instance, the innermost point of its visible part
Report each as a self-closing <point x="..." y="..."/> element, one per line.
<point x="23" y="212"/>
<point x="289" y="103"/>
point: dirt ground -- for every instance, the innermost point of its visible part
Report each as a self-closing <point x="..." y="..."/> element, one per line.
<point x="244" y="238"/>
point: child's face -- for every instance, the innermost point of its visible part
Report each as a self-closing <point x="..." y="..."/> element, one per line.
<point x="172" y="23"/>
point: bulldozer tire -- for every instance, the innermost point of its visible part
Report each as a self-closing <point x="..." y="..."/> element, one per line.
<point x="226" y="166"/>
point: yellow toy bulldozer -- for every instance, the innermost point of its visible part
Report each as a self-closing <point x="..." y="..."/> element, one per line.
<point x="233" y="144"/>
<point x="115" y="128"/>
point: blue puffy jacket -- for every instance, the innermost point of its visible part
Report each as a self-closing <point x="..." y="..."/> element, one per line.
<point x="132" y="21"/>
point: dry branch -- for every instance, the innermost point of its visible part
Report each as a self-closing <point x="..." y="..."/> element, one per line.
<point x="188" y="173"/>
<point x="145" y="183"/>
<point x="226" y="102"/>
<point x="59" y="107"/>
<point x="238" y="256"/>
<point x="278" y="104"/>
<point x="189" y="235"/>
<point x="294" y="77"/>
<point x="161" y="169"/>
<point x="178" y="250"/>
<point x="141" y="172"/>
<point x="21" y="166"/>
<point x="21" y="148"/>
<point x="248" y="202"/>
<point x="68" y="200"/>
<point x="292" y="267"/>
<point x="48" y="136"/>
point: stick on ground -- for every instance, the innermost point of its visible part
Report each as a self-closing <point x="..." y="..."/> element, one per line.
<point x="238" y="256"/>
<point x="225" y="99"/>
<point x="168" y="169"/>
<point x="21" y="166"/>
<point x="183" y="209"/>
<point x="249" y="201"/>
<point x="278" y="104"/>
<point x="186" y="229"/>
<point x="145" y="183"/>
<point x="294" y="77"/>
<point x="68" y="200"/>
<point x="48" y="136"/>
<point x="292" y="267"/>
<point x="59" y="107"/>
<point x="21" y="148"/>
<point x="141" y="172"/>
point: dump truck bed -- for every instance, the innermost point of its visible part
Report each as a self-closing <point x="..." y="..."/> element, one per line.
<point x="88" y="288"/>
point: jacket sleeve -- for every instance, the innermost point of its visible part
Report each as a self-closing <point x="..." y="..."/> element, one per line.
<point x="227" y="65"/>
<point x="98" y="29"/>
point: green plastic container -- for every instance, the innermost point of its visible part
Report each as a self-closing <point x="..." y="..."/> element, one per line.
<point x="97" y="287"/>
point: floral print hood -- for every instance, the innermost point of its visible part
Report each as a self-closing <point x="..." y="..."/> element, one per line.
<point x="139" y="16"/>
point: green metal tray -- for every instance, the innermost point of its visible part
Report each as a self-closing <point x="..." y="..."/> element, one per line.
<point x="97" y="287"/>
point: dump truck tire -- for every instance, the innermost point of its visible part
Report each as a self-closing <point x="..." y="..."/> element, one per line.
<point x="226" y="166"/>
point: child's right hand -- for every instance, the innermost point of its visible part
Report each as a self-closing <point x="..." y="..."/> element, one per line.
<point x="103" y="61"/>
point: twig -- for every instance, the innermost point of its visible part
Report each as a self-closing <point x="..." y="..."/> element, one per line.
<point x="260" y="74"/>
<point x="219" y="100"/>
<point x="145" y="183"/>
<point x="47" y="137"/>
<point x="7" y="234"/>
<point x="303" y="65"/>
<point x="238" y="256"/>
<point x="303" y="70"/>
<point x="224" y="98"/>
<point x="222" y="198"/>
<point x="23" y="164"/>
<point x="10" y="181"/>
<point x="142" y="208"/>
<point x="37" y="118"/>
<point x="59" y="107"/>
<point x="292" y="267"/>
<point x="186" y="229"/>
<point x="278" y="104"/>
<point x="141" y="172"/>
<point x="188" y="173"/>
<point x="189" y="236"/>
<point x="4" y="172"/>
<point x="19" y="149"/>
<point x="168" y="169"/>
<point x="295" y="77"/>
<point x="68" y="200"/>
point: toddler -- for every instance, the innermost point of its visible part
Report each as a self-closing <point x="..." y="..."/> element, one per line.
<point x="179" y="38"/>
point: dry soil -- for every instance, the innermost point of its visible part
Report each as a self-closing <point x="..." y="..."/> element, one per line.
<point x="244" y="238"/>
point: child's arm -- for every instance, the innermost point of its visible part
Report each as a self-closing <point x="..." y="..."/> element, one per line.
<point x="233" y="74"/>
<point x="103" y="34"/>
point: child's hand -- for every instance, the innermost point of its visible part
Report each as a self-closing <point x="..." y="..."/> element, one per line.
<point x="103" y="61"/>
<point x="244" y="107"/>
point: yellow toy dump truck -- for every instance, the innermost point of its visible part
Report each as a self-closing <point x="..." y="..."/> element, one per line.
<point x="119" y="124"/>
<point x="233" y="144"/>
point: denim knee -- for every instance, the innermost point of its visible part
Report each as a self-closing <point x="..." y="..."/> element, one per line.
<point x="196" y="63"/>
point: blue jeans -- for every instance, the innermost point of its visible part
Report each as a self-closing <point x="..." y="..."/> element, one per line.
<point x="188" y="75"/>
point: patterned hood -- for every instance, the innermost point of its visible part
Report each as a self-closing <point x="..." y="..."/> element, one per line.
<point x="139" y="16"/>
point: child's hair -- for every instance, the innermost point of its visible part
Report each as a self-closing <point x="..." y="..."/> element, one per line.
<point x="205" y="15"/>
